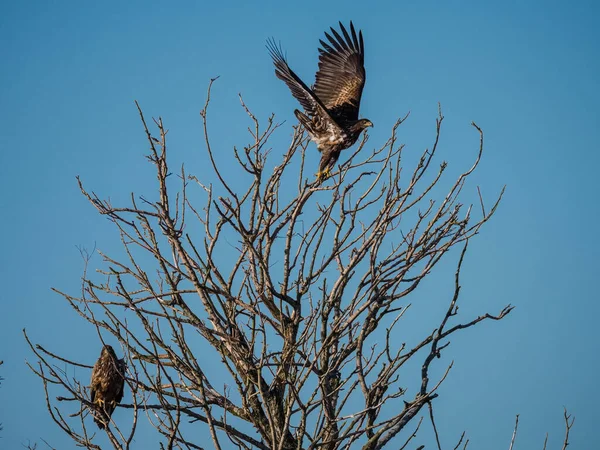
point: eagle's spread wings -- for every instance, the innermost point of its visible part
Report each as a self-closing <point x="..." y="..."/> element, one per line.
<point x="331" y="106"/>
<point x="309" y="101"/>
<point x="106" y="386"/>
<point x="341" y="76"/>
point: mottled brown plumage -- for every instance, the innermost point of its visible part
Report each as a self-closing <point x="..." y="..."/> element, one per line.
<point x="332" y="105"/>
<point x="106" y="386"/>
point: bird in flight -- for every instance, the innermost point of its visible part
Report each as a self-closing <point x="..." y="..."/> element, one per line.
<point x="331" y="105"/>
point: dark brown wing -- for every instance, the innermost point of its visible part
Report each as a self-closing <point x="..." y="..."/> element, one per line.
<point x="311" y="104"/>
<point x="121" y="367"/>
<point x="341" y="76"/>
<point x="97" y="395"/>
<point x="94" y="381"/>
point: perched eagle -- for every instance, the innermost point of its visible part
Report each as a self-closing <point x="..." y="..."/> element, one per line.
<point x="332" y="104"/>
<point x="108" y="379"/>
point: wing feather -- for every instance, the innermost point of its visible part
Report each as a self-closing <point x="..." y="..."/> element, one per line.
<point x="299" y="90"/>
<point x="307" y="98"/>
<point x="121" y="381"/>
<point x="341" y="75"/>
<point x="93" y="383"/>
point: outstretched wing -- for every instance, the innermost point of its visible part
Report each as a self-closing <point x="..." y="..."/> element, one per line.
<point x="341" y="76"/>
<point x="311" y="104"/>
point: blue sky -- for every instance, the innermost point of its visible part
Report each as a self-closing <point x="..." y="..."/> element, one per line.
<point x="527" y="72"/>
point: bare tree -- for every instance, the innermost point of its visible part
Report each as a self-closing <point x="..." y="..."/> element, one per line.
<point x="295" y="288"/>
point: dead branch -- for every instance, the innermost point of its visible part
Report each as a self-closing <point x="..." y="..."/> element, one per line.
<point x="289" y="285"/>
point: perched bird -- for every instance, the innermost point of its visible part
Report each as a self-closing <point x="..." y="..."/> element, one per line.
<point x="106" y="386"/>
<point x="332" y="105"/>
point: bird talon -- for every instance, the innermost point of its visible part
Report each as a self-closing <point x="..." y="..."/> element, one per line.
<point x="322" y="175"/>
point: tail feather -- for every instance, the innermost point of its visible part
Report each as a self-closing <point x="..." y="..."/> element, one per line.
<point x="103" y="412"/>
<point x="304" y="119"/>
<point x="306" y="123"/>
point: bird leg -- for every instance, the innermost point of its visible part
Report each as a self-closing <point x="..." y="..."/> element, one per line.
<point x="322" y="175"/>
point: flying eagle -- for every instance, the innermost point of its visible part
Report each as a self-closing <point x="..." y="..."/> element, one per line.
<point x="332" y="104"/>
<point x="106" y="386"/>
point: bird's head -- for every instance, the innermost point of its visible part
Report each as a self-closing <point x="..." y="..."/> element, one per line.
<point x="107" y="349"/>
<point x="362" y="124"/>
